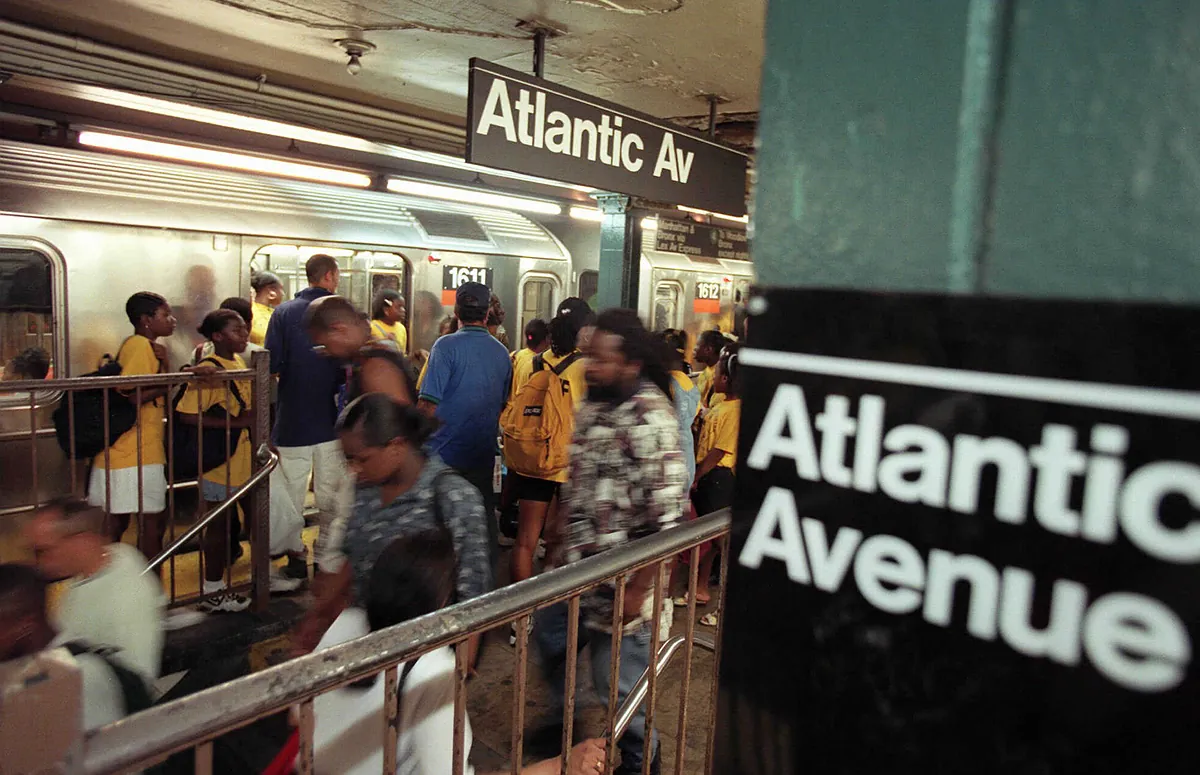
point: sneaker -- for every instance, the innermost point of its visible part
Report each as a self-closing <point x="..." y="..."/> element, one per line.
<point x="297" y="568"/>
<point x="224" y="603"/>
<point x="281" y="582"/>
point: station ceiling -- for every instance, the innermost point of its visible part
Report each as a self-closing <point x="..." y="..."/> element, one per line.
<point x="658" y="56"/>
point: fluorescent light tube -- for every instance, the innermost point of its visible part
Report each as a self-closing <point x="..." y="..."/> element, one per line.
<point x="237" y="161"/>
<point x="262" y="126"/>
<point x="734" y="218"/>
<point x="472" y="196"/>
<point x="649" y="223"/>
<point x="587" y="214"/>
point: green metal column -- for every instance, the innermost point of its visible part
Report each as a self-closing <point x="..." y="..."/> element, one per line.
<point x="1017" y="147"/>
<point x="620" y="251"/>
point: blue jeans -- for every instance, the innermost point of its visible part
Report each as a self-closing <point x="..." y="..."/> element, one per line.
<point x="550" y="633"/>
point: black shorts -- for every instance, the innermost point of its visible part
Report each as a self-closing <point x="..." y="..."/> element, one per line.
<point x="714" y="491"/>
<point x="527" y="488"/>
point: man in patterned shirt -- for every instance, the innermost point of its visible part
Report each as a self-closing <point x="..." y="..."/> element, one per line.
<point x="627" y="480"/>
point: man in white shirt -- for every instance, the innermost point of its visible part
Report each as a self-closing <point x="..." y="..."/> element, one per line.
<point x="25" y="632"/>
<point x="110" y="601"/>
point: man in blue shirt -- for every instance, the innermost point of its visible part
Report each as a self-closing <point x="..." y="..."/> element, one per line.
<point x="466" y="385"/>
<point x="307" y="406"/>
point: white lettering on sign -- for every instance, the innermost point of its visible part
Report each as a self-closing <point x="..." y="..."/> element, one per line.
<point x="525" y="121"/>
<point x="1071" y="482"/>
<point x="467" y="274"/>
<point x="708" y="290"/>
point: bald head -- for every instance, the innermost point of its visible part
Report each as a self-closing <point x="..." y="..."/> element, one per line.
<point x="67" y="536"/>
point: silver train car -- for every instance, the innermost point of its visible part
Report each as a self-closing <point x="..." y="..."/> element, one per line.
<point x="80" y="231"/>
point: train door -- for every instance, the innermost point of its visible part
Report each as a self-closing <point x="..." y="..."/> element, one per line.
<point x="537" y="298"/>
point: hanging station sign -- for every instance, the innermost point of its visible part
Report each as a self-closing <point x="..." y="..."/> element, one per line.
<point x="966" y="537"/>
<point x="697" y="239"/>
<point x="525" y="124"/>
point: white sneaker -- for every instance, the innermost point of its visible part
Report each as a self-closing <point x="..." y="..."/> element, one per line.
<point x="512" y="632"/>
<point x="224" y="603"/>
<point x="283" y="583"/>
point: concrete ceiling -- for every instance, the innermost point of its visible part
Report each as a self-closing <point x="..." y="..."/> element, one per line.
<point x="658" y="56"/>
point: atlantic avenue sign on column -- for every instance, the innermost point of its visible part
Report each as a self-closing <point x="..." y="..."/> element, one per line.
<point x="532" y="126"/>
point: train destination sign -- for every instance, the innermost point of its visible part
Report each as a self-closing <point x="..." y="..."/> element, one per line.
<point x="966" y="537"/>
<point x="525" y="124"/>
<point x="697" y="239"/>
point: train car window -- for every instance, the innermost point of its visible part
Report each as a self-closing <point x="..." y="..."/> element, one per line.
<point x="26" y="314"/>
<point x="362" y="272"/>
<point x="537" y="300"/>
<point x="666" y="305"/>
<point x="589" y="286"/>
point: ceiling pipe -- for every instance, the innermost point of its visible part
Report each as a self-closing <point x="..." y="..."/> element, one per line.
<point x="53" y="62"/>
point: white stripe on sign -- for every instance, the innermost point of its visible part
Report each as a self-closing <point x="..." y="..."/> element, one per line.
<point x="1124" y="398"/>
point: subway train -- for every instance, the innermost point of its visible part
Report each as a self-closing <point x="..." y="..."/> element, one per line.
<point x="80" y="231"/>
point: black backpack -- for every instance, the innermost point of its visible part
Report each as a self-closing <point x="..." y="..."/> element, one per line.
<point x="133" y="689"/>
<point x="88" y="407"/>
<point x="186" y="438"/>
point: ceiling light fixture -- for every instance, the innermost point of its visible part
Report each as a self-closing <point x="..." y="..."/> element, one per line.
<point x="356" y="49"/>
<point x="472" y="196"/>
<point x="698" y="211"/>
<point x="263" y="126"/>
<point x="586" y="214"/>
<point x="213" y="158"/>
<point x="650" y="223"/>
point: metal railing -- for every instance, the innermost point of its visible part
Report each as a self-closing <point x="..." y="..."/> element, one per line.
<point x="194" y="722"/>
<point x="35" y="456"/>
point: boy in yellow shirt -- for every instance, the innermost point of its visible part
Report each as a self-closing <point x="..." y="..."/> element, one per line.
<point x="114" y="482"/>
<point x="228" y="332"/>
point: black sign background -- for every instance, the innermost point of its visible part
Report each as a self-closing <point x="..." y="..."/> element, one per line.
<point x="820" y="682"/>
<point x="697" y="239"/>
<point x="716" y="179"/>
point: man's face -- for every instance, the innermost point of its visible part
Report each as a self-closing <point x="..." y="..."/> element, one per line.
<point x="609" y="374"/>
<point x="51" y="549"/>
<point x="703" y="352"/>
<point x="162" y="323"/>
<point x="339" y="340"/>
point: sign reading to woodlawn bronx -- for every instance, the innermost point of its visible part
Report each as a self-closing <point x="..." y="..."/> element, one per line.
<point x="966" y="538"/>
<point x="525" y="124"/>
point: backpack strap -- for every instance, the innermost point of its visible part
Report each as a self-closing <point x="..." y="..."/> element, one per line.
<point x="134" y="692"/>
<point x="539" y="363"/>
<point x="566" y="363"/>
<point x="233" y="388"/>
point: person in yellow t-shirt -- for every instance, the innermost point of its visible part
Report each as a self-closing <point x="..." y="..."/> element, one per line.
<point x="716" y="457"/>
<point x="229" y="335"/>
<point x="387" y="318"/>
<point x="568" y="332"/>
<point x="537" y="340"/>
<point x="707" y="352"/>
<point x="114" y="481"/>
<point x="268" y="294"/>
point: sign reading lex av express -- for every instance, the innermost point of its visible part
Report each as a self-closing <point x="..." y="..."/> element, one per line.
<point x="966" y="538"/>
<point x="529" y="125"/>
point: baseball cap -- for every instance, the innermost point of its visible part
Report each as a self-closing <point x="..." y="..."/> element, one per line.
<point x="473" y="295"/>
<point x="577" y="310"/>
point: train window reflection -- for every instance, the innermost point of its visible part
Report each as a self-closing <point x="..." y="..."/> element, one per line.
<point x="589" y="286"/>
<point x="27" y="348"/>
<point x="666" y="305"/>
<point x="537" y="300"/>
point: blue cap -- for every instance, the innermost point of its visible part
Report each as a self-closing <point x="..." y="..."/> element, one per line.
<point x="473" y="295"/>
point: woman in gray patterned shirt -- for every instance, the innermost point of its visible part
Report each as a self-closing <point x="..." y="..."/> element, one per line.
<point x="401" y="490"/>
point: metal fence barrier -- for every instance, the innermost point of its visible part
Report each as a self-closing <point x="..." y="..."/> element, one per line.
<point x="193" y="722"/>
<point x="51" y="472"/>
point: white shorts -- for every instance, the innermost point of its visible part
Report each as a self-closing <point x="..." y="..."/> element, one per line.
<point x="124" y="495"/>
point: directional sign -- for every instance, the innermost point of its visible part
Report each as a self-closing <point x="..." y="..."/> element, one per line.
<point x="966" y="538"/>
<point x="526" y="124"/>
<point x="697" y="239"/>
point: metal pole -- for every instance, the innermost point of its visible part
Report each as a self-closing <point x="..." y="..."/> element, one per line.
<point x="712" y="115"/>
<point x="260" y="555"/>
<point x="539" y="53"/>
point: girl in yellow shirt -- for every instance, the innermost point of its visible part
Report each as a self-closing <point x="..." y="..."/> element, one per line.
<point x="387" y="318"/>
<point x="228" y="332"/>
<point x="716" y="456"/>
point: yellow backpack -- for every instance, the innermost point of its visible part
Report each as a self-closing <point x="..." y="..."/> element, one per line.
<point x="539" y="422"/>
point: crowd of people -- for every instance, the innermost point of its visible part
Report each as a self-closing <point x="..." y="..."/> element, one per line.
<point x="604" y="430"/>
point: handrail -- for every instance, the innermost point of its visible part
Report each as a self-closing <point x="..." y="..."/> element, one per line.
<point x="165" y="729"/>
<point x="628" y="709"/>
<point x="152" y="380"/>
<point x="268" y="458"/>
